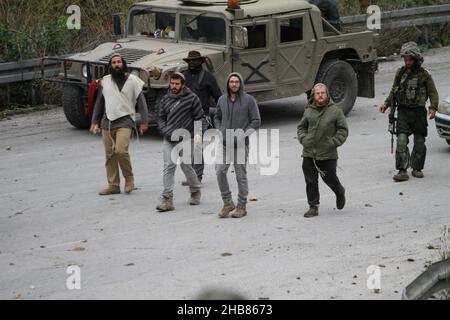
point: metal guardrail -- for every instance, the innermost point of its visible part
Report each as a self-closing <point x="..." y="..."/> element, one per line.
<point x="27" y="70"/>
<point x="402" y="18"/>
<point x="435" y="279"/>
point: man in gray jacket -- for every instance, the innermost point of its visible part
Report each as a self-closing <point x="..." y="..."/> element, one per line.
<point x="178" y="110"/>
<point x="235" y="110"/>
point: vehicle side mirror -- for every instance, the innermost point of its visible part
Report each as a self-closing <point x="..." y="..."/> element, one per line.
<point x="116" y="25"/>
<point x="240" y="37"/>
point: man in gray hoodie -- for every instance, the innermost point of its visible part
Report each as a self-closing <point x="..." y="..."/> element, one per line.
<point x="236" y="118"/>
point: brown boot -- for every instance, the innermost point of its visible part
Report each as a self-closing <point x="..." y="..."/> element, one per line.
<point x="129" y="185"/>
<point x="165" y="205"/>
<point x="195" y="198"/>
<point x="239" y="213"/>
<point x="312" y="212"/>
<point x="227" y="208"/>
<point x="110" y="190"/>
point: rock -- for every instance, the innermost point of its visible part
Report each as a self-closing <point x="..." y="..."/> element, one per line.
<point x="226" y="254"/>
<point x="8" y="148"/>
<point x="368" y="205"/>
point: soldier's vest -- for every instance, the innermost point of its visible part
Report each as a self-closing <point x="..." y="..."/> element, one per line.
<point x="409" y="88"/>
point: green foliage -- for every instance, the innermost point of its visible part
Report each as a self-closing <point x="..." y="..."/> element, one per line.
<point x="24" y="44"/>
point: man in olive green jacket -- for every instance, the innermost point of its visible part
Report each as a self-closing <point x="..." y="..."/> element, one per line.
<point x="413" y="87"/>
<point x="321" y="131"/>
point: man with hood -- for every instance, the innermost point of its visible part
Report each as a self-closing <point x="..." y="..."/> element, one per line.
<point x="321" y="131"/>
<point x="204" y="85"/>
<point x="413" y="86"/>
<point x="179" y="109"/>
<point x="237" y="116"/>
<point x="118" y="99"/>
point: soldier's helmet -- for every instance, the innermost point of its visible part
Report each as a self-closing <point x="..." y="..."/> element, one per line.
<point x="411" y="49"/>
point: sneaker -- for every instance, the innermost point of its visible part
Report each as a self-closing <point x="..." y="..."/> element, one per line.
<point x="417" y="174"/>
<point x="312" y="212"/>
<point x="402" y="175"/>
<point x="228" y="207"/>
<point x="195" y="198"/>
<point x="110" y="190"/>
<point x="239" y="213"/>
<point x="165" y="205"/>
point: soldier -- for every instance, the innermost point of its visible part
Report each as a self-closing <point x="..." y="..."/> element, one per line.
<point x="321" y="131"/>
<point x="204" y="85"/>
<point x="115" y="110"/>
<point x="413" y="86"/>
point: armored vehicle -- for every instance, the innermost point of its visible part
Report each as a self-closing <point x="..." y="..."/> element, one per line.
<point x="281" y="48"/>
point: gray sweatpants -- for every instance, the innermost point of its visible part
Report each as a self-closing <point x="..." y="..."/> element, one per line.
<point x="239" y="158"/>
<point x="170" y="167"/>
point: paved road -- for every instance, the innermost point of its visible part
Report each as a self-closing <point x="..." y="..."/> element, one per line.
<point x="51" y="216"/>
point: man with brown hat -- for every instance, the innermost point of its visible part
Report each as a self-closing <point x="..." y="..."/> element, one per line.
<point x="204" y="85"/>
<point x="118" y="100"/>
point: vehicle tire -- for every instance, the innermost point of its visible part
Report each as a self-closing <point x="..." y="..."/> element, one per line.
<point x="342" y="82"/>
<point x="74" y="107"/>
<point x="448" y="141"/>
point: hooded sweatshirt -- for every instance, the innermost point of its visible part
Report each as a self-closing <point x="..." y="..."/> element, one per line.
<point x="321" y="131"/>
<point x="179" y="112"/>
<point x="243" y="113"/>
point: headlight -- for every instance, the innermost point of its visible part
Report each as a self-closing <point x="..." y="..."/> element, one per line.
<point x="84" y="71"/>
<point x="444" y="107"/>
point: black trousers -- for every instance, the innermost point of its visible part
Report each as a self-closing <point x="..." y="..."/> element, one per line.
<point x="328" y="167"/>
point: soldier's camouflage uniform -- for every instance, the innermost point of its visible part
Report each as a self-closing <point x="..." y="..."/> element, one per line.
<point x="412" y="89"/>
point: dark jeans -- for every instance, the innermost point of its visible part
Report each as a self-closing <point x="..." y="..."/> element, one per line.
<point x="328" y="167"/>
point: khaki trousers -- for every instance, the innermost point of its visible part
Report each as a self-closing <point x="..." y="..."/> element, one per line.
<point x="116" y="142"/>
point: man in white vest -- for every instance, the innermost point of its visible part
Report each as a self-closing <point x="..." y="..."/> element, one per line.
<point x="119" y="98"/>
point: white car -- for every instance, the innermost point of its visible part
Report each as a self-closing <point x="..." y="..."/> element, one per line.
<point x="443" y="119"/>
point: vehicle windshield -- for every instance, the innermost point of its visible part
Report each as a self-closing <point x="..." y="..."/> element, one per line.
<point x="152" y="24"/>
<point x="200" y="28"/>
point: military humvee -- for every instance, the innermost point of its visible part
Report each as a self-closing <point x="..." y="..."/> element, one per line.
<point x="281" y="48"/>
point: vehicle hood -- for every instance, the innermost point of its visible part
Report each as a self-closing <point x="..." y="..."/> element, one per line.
<point x="145" y="53"/>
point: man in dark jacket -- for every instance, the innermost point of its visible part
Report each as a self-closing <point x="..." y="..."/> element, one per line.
<point x="179" y="109"/>
<point x="204" y="85"/>
<point x="321" y="131"/>
<point x="235" y="110"/>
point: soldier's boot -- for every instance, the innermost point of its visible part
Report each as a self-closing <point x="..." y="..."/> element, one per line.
<point x="195" y="198"/>
<point x="227" y="208"/>
<point x="129" y="185"/>
<point x="239" y="213"/>
<point x="110" y="190"/>
<point x="312" y="212"/>
<point x="417" y="174"/>
<point x="340" y="199"/>
<point x="165" y="205"/>
<point x="402" y="175"/>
